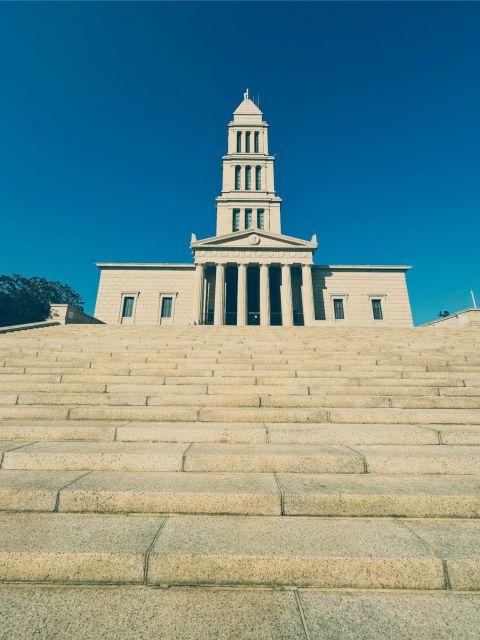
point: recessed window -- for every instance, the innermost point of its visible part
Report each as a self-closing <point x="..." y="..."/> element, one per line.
<point x="248" y="218"/>
<point x="377" y="309"/>
<point x="238" y="171"/>
<point x="258" y="178"/>
<point x="248" y="178"/>
<point x="255" y="141"/>
<point x="247" y="142"/>
<point x="239" y="141"/>
<point x="127" y="309"/>
<point x="260" y="218"/>
<point x="236" y="220"/>
<point x="338" y="309"/>
<point x="166" y="311"/>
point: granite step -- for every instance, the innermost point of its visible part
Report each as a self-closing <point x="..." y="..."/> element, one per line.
<point x="322" y="552"/>
<point x="134" y="492"/>
<point x="240" y="550"/>
<point x="129" y="456"/>
<point x="241" y="493"/>
<point x="56" y="612"/>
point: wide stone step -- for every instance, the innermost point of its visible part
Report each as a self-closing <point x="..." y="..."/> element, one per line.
<point x="75" y="548"/>
<point x="322" y="552"/>
<point x="220" y="550"/>
<point x="406" y="416"/>
<point x="416" y="459"/>
<point x="200" y="613"/>
<point x="250" y="432"/>
<point x="241" y="493"/>
<point x="131" y="492"/>
<point x="92" y="430"/>
<point x="176" y="457"/>
<point x="378" y="496"/>
<point x="119" y="456"/>
<point x="61" y="612"/>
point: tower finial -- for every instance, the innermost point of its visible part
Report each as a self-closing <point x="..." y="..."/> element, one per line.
<point x="245" y="95"/>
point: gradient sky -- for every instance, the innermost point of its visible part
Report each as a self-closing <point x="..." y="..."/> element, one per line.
<point x="113" y="122"/>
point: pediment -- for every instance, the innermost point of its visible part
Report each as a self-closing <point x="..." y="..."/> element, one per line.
<point x="253" y="239"/>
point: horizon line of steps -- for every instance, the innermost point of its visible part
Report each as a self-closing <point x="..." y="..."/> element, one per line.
<point x="356" y="467"/>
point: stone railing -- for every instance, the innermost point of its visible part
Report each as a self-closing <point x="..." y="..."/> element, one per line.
<point x="465" y="318"/>
<point x="59" y="314"/>
<point x="66" y="314"/>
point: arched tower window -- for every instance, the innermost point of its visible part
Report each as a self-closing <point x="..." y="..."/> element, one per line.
<point x="247" y="142"/>
<point x="239" y="141"/>
<point x="238" y="170"/>
<point x="258" y="178"/>
<point x="248" y="178"/>
<point x="255" y="141"/>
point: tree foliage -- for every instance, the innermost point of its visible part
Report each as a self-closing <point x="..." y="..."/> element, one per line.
<point x="25" y="300"/>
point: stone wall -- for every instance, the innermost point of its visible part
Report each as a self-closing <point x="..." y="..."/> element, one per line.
<point x="146" y="284"/>
<point x="357" y="286"/>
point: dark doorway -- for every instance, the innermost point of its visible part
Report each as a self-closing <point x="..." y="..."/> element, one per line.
<point x="231" y="284"/>
<point x="253" y="295"/>
<point x="275" y="300"/>
<point x="297" y="296"/>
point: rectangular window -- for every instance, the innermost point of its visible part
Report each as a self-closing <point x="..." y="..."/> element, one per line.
<point x="247" y="142"/>
<point x="236" y="220"/>
<point x="248" y="218"/>
<point x="166" y="308"/>
<point x="255" y="141"/>
<point x="127" y="309"/>
<point x="239" y="141"/>
<point x="260" y="218"/>
<point x="338" y="309"/>
<point x="377" y="309"/>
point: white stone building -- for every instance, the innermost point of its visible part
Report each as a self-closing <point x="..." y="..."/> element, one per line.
<point x="249" y="272"/>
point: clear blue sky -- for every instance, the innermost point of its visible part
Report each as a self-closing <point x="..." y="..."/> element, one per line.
<point x="113" y="121"/>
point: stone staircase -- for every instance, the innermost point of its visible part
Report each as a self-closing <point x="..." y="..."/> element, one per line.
<point x="270" y="482"/>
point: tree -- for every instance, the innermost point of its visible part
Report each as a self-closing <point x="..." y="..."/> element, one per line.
<point x="25" y="300"/>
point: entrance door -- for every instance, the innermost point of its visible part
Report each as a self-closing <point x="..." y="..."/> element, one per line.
<point x="253" y="295"/>
<point x="166" y="310"/>
<point x="231" y="294"/>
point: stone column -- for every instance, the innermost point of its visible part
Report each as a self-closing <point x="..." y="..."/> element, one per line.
<point x="264" y="295"/>
<point x="219" y="317"/>
<point x="242" y="306"/>
<point x="307" y="295"/>
<point x="198" y="294"/>
<point x="286" y="296"/>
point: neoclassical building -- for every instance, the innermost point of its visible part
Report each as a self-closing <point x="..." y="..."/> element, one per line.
<point x="249" y="272"/>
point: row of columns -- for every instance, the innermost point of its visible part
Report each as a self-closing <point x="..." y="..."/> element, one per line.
<point x="242" y="305"/>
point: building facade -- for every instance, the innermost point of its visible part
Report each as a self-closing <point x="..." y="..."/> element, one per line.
<point x="249" y="273"/>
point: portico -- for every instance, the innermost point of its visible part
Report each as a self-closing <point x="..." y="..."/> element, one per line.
<point x="243" y="285"/>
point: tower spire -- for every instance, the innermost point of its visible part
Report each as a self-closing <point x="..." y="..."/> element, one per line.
<point x="245" y="95"/>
